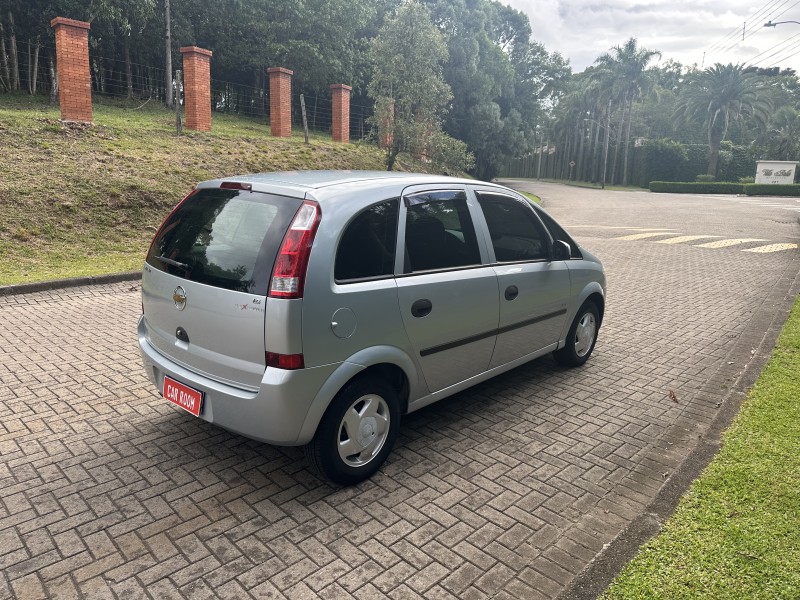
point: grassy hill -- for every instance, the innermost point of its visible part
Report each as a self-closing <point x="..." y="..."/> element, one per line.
<point x="85" y="200"/>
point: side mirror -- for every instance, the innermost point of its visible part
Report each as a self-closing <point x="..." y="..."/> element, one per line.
<point x="561" y="250"/>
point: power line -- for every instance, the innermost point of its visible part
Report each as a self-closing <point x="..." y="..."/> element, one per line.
<point x="756" y="15"/>
<point x="759" y="28"/>
<point x="775" y="54"/>
<point x="759" y="56"/>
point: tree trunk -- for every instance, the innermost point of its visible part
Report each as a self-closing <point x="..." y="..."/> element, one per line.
<point x="13" y="52"/>
<point x="53" y="80"/>
<point x="586" y="153"/>
<point x="581" y="146"/>
<point x="33" y="67"/>
<point x="596" y="155"/>
<point x="5" y="74"/>
<point x="714" y="142"/>
<point x="128" y="69"/>
<point x="605" y="149"/>
<point x="627" y="144"/>
<point x="618" y="144"/>
<point x="168" y="52"/>
<point x="715" y="136"/>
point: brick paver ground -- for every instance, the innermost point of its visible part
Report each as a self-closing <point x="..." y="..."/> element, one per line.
<point x="506" y="490"/>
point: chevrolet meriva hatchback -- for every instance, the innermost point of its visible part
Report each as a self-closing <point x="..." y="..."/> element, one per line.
<point x="316" y="308"/>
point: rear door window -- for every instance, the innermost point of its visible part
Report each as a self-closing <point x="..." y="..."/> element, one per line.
<point x="367" y="247"/>
<point x="224" y="238"/>
<point x="517" y="235"/>
<point x="439" y="232"/>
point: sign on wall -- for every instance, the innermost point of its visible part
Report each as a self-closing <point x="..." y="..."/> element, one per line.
<point x="776" y="171"/>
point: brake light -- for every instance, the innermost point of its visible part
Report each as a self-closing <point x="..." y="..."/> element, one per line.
<point x="235" y="185"/>
<point x="289" y="362"/>
<point x="289" y="274"/>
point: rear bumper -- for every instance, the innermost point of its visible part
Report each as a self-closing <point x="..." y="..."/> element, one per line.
<point x="274" y="414"/>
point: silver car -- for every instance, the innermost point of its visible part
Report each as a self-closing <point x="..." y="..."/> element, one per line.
<point x="317" y="308"/>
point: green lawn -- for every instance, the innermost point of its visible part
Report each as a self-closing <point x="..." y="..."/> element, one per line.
<point x="84" y="200"/>
<point x="736" y="533"/>
<point x="532" y="197"/>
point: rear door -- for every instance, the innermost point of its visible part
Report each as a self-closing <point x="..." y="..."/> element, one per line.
<point x="448" y="295"/>
<point x="534" y="290"/>
<point x="205" y="281"/>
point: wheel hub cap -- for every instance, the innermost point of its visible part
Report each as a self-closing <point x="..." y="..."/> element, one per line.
<point x="366" y="431"/>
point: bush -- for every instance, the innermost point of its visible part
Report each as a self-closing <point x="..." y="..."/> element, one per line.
<point x="705" y="177"/>
<point x="767" y="189"/>
<point x="747" y="179"/>
<point x="702" y="187"/>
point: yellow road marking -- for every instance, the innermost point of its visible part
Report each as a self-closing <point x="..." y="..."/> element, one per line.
<point x="642" y="236"/>
<point x="726" y="243"/>
<point x="685" y="238"/>
<point x="772" y="248"/>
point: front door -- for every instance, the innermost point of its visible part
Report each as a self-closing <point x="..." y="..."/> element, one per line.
<point x="534" y="290"/>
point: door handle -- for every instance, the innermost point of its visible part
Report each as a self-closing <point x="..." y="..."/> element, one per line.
<point x="511" y="292"/>
<point x="421" y="308"/>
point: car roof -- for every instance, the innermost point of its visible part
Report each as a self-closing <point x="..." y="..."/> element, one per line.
<point x="308" y="180"/>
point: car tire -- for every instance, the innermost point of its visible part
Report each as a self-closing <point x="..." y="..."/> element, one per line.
<point x="581" y="337"/>
<point x="357" y="432"/>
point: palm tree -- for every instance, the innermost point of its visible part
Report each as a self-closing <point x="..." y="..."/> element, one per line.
<point x="784" y="134"/>
<point x="720" y="95"/>
<point x="624" y="69"/>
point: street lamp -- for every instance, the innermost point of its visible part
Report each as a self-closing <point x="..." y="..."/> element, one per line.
<point x="771" y="24"/>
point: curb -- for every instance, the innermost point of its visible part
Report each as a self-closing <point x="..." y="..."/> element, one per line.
<point x="55" y="284"/>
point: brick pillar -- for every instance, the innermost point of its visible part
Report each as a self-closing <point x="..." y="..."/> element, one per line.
<point x="197" y="87"/>
<point x="280" y="101"/>
<point x="341" y="112"/>
<point x="74" y="81"/>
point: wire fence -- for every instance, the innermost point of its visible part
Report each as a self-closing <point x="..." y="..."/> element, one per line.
<point x="126" y="80"/>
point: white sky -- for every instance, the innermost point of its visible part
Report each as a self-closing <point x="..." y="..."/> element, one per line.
<point x="681" y="29"/>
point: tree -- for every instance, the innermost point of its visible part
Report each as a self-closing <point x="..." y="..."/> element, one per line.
<point x="627" y="66"/>
<point x="168" y="51"/>
<point x="407" y="57"/>
<point x="720" y="95"/>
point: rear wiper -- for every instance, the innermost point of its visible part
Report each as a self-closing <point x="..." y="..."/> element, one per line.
<point x="174" y="263"/>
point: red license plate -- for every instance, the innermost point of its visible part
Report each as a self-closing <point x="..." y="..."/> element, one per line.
<point x="183" y="396"/>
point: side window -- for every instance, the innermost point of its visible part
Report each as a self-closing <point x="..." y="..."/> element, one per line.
<point x="558" y="233"/>
<point x="439" y="232"/>
<point x="516" y="233"/>
<point x="366" y="249"/>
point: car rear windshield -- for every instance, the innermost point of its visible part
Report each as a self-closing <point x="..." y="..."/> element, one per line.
<point x="225" y="238"/>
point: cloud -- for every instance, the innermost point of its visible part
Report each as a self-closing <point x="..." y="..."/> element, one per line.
<point x="701" y="32"/>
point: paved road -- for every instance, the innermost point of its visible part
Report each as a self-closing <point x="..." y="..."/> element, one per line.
<point x="506" y="490"/>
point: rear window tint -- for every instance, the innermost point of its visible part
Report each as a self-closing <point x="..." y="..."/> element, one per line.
<point x="367" y="247"/>
<point x="225" y="238"/>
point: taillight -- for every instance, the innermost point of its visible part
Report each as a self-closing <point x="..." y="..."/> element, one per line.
<point x="289" y="274"/>
<point x="289" y="362"/>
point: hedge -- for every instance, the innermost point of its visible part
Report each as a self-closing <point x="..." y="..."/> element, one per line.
<point x="724" y="187"/>
<point x="765" y="189"/>
<point x="696" y="187"/>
